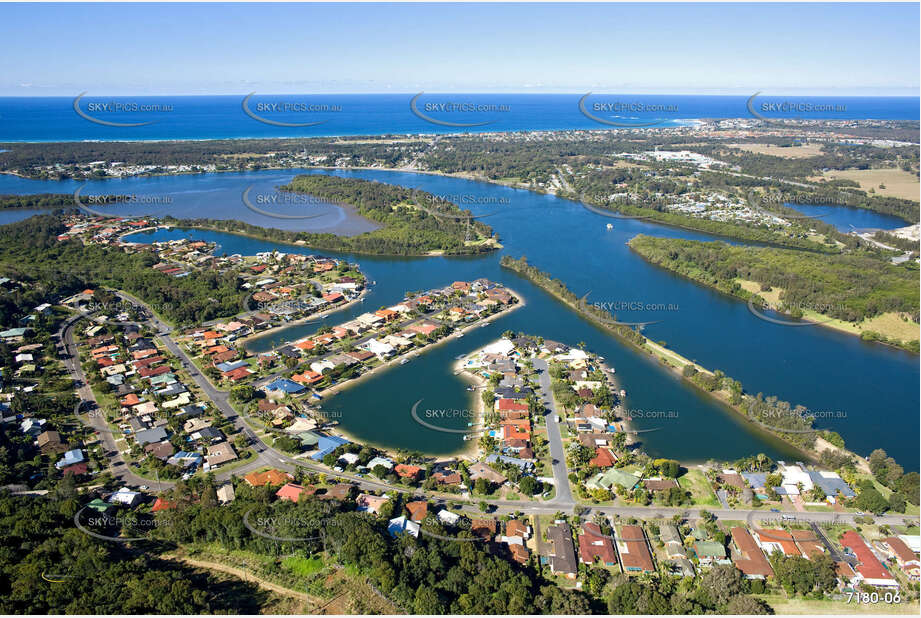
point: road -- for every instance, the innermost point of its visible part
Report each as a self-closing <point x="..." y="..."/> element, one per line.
<point x="268" y="456"/>
<point x="563" y="497"/>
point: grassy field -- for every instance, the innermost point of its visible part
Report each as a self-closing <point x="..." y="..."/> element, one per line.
<point x="783" y="605"/>
<point x="695" y="482"/>
<point x="893" y="325"/>
<point x="898" y="183"/>
<point x="792" y="152"/>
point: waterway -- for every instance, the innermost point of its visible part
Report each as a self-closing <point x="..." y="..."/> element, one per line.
<point x="874" y="387"/>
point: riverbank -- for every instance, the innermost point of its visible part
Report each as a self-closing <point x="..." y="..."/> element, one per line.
<point x="674" y="362"/>
<point x="692" y="260"/>
<point x="479" y="383"/>
<point x="309" y="318"/>
<point x="414" y="354"/>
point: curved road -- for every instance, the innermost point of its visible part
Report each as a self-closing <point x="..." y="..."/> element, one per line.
<point x="268" y="456"/>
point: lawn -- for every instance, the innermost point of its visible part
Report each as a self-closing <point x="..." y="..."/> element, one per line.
<point x="783" y="605"/>
<point x="696" y="483"/>
<point x="303" y="567"/>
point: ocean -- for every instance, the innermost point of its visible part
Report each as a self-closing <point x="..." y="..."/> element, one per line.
<point x="53" y="119"/>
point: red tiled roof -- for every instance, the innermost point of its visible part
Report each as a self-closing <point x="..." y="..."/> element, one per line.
<point x="753" y="561"/>
<point x="151" y="372"/>
<point x="870" y="567"/>
<point x="269" y="477"/>
<point x="407" y="471"/>
<point x="290" y="491"/>
<point x="162" y="505"/>
<point x="418" y="509"/>
<point x="511" y="404"/>
<point x="634" y="554"/>
<point x="603" y="458"/>
<point x="592" y="544"/>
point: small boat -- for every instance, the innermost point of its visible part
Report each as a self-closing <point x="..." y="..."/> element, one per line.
<point x="403" y="361"/>
<point x="470" y="388"/>
<point x="485" y="324"/>
<point x="610" y="227"/>
<point x="459" y="335"/>
<point x="623" y="393"/>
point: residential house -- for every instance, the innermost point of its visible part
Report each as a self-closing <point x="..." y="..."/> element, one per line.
<point x="562" y="552"/>
<point x="595" y="545"/>
<point x="634" y="550"/>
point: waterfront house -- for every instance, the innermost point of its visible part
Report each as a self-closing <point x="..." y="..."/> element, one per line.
<point x="480" y="470"/>
<point x="407" y="471"/>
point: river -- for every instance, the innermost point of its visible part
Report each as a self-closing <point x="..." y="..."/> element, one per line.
<point x="868" y="392"/>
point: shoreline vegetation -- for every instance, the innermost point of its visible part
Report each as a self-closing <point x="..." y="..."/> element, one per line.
<point x="406" y="228"/>
<point x="463" y="451"/>
<point x="790" y="424"/>
<point x="830" y="291"/>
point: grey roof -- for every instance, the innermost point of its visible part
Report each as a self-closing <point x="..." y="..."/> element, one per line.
<point x="563" y="559"/>
<point x="831" y="486"/>
<point x="124" y="389"/>
<point x="210" y="433"/>
<point x="521" y="463"/>
<point x="507" y="392"/>
<point x="190" y="411"/>
<point x="157" y="434"/>
<point x="173" y="389"/>
<point x="755" y="479"/>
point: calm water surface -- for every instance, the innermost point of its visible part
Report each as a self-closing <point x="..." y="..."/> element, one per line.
<point x="873" y="386"/>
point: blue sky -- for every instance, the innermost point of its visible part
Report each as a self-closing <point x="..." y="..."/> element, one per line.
<point x="48" y="49"/>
